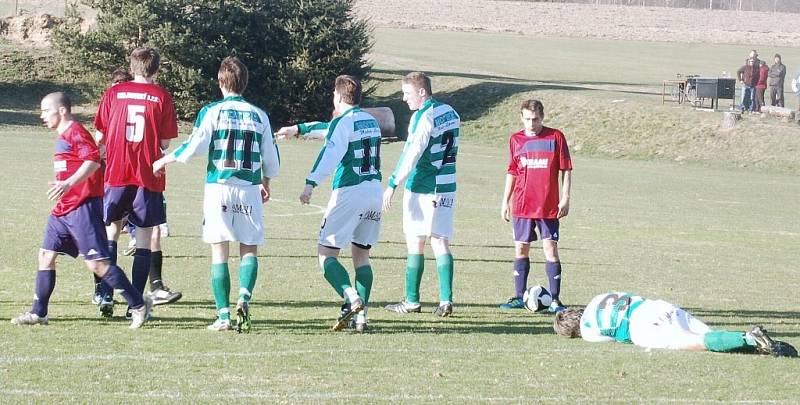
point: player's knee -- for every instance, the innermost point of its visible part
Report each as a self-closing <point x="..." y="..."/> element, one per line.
<point x="550" y="251"/>
<point x="440" y="246"/>
<point x="47" y="259"/>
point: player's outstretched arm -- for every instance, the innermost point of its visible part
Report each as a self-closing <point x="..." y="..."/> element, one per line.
<point x="287" y="132"/>
<point x="160" y="164"/>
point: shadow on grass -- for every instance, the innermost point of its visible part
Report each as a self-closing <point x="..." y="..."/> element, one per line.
<point x="31" y="118"/>
<point x="27" y="95"/>
<point x="472" y="102"/>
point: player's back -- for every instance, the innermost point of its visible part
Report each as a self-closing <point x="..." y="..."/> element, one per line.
<point x="361" y="162"/>
<point x="436" y="169"/>
<point x="606" y="316"/>
<point x="240" y="140"/>
<point x="134" y="117"/>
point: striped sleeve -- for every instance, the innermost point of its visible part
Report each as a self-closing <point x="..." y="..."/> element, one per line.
<point x="200" y="139"/>
<point x="331" y="154"/>
<point x="313" y="130"/>
<point x="417" y="143"/>
<point x="270" y="158"/>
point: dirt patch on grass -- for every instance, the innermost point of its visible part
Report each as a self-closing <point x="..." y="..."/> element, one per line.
<point x="586" y="21"/>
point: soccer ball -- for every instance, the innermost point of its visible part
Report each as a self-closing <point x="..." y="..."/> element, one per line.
<point x="536" y="298"/>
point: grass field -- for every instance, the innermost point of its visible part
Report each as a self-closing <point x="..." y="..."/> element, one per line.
<point x="716" y="238"/>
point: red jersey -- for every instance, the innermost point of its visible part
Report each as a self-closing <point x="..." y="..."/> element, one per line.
<point x="535" y="161"/>
<point x="134" y="118"/>
<point x="74" y="146"/>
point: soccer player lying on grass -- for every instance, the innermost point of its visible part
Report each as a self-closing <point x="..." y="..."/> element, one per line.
<point x="657" y="324"/>
<point x="353" y="215"/>
<point x="75" y="225"/>
<point x="243" y="158"/>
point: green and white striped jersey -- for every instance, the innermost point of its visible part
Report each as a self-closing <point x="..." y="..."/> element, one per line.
<point x="313" y="130"/>
<point x="238" y="139"/>
<point x="607" y="317"/>
<point x="428" y="161"/>
<point x="351" y="151"/>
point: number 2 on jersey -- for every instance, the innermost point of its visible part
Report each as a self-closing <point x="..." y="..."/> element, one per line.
<point x="134" y="125"/>
<point x="448" y="141"/>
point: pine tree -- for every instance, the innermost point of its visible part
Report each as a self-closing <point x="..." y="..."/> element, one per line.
<point x="293" y="48"/>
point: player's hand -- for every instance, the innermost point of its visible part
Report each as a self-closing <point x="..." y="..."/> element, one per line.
<point x="158" y="167"/>
<point x="287" y="132"/>
<point x="563" y="208"/>
<point x="57" y="189"/>
<point x="505" y="213"/>
<point x="387" y="198"/>
<point x="264" y="193"/>
<point x="305" y="196"/>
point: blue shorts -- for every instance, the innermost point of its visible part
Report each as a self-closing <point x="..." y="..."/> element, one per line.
<point x="525" y="229"/>
<point x="80" y="231"/>
<point x="144" y="208"/>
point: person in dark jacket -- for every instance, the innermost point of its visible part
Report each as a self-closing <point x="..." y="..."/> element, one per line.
<point x="777" y="74"/>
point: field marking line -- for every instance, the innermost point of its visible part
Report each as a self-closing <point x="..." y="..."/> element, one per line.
<point x="369" y="396"/>
<point x="293" y="352"/>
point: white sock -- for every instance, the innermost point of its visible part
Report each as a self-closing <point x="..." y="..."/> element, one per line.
<point x="351" y="294"/>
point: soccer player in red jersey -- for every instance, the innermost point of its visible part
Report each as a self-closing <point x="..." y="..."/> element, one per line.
<point x="137" y="119"/>
<point x="531" y="199"/>
<point x="75" y="225"/>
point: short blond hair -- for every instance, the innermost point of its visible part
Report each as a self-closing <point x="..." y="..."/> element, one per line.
<point x="232" y="75"/>
<point x="145" y="61"/>
<point x="419" y="80"/>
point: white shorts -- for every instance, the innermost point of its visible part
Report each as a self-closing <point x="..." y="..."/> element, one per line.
<point x="658" y="324"/>
<point x="428" y="214"/>
<point x="233" y="213"/>
<point x="353" y="216"/>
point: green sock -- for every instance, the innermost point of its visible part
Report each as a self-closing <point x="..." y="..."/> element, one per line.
<point x="415" y="266"/>
<point x="248" y="273"/>
<point x="444" y="265"/>
<point x="221" y="287"/>
<point x="336" y="275"/>
<point x="724" y="341"/>
<point x="364" y="282"/>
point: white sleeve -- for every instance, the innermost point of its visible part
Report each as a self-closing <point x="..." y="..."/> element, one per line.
<point x="415" y="145"/>
<point x="199" y="141"/>
<point x="330" y="156"/>
<point x="270" y="158"/>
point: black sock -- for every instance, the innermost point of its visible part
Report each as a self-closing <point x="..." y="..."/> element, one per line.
<point x="156" y="259"/>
